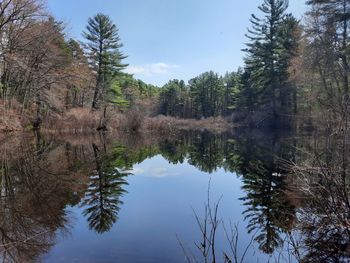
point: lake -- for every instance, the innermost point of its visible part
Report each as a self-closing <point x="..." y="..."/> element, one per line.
<point x="179" y="198"/>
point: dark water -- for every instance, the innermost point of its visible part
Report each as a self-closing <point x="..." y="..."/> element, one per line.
<point x="135" y="198"/>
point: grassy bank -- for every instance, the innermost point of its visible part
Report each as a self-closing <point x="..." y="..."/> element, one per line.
<point x="85" y="120"/>
<point x="170" y="124"/>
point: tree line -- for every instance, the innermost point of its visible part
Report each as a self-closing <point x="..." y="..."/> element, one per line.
<point x="45" y="72"/>
<point x="290" y="68"/>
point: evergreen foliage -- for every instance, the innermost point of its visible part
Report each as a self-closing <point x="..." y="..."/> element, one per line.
<point x="269" y="51"/>
<point x="103" y="45"/>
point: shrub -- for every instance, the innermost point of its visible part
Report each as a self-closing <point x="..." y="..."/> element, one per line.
<point x="74" y="120"/>
<point x="133" y="120"/>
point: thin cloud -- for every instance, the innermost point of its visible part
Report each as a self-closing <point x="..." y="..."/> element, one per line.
<point x="154" y="172"/>
<point x="151" y="69"/>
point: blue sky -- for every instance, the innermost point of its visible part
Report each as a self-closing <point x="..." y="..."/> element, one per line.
<point x="167" y="39"/>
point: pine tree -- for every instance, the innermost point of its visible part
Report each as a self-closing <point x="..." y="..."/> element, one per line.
<point x="232" y="88"/>
<point x="103" y="44"/>
<point x="173" y="98"/>
<point x="206" y="92"/>
<point x="265" y="55"/>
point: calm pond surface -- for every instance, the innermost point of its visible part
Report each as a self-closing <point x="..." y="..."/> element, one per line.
<point x="134" y="198"/>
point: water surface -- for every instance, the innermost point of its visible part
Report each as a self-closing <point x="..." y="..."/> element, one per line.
<point x="135" y="198"/>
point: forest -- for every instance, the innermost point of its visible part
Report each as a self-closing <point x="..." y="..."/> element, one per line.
<point x="294" y="72"/>
<point x="251" y="165"/>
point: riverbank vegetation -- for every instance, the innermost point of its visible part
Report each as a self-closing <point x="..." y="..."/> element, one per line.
<point x="294" y="71"/>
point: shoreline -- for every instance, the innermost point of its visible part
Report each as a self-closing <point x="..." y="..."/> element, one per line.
<point x="126" y="123"/>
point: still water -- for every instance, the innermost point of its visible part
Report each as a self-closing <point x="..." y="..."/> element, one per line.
<point x="143" y="198"/>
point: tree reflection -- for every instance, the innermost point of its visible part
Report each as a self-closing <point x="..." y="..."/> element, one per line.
<point x="257" y="159"/>
<point x="40" y="178"/>
<point x="323" y="178"/>
<point x="269" y="212"/>
<point x="102" y="198"/>
<point x="206" y="151"/>
<point x="32" y="204"/>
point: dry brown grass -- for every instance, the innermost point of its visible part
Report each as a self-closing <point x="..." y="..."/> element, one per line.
<point x="74" y="120"/>
<point x="133" y="121"/>
<point x="85" y="120"/>
<point x="11" y="116"/>
<point x="171" y="124"/>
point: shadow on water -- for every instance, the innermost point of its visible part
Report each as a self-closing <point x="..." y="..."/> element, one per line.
<point x="294" y="188"/>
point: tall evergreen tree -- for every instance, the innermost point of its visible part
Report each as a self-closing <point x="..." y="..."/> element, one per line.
<point x="103" y="45"/>
<point x="266" y="60"/>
